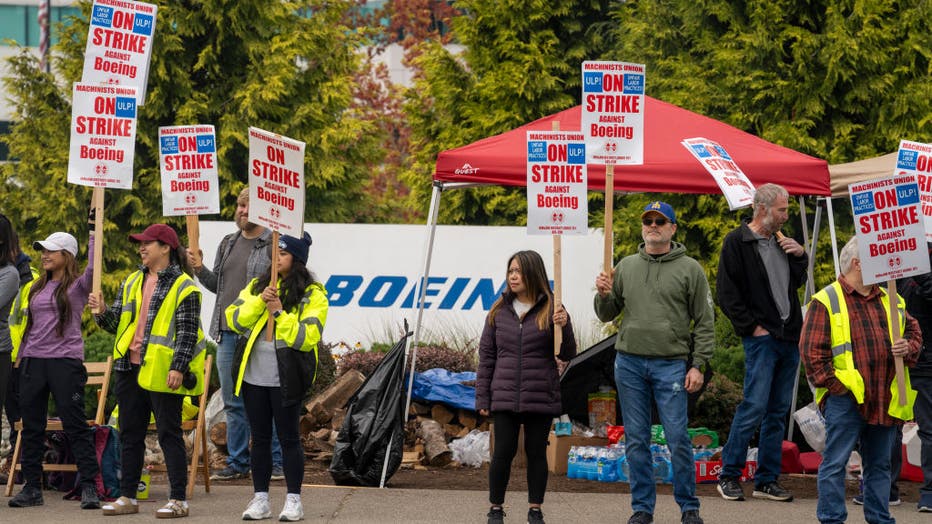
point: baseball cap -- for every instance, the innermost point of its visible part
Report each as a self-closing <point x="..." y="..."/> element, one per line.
<point x="297" y="247"/>
<point x="660" y="207"/>
<point x="160" y="232"/>
<point x="58" y="242"/>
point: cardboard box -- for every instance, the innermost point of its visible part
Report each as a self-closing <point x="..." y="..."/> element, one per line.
<point x="708" y="470"/>
<point x="558" y="450"/>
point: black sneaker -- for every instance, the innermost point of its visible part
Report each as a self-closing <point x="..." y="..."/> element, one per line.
<point x="535" y="516"/>
<point x="28" y="497"/>
<point x="730" y="489"/>
<point x="228" y="473"/>
<point x="772" y="491"/>
<point x="641" y="517"/>
<point x="89" y="498"/>
<point x="691" y="517"/>
<point x="894" y="501"/>
<point x="496" y="516"/>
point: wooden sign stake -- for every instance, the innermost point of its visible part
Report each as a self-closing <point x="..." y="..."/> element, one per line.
<point x="97" y="201"/>
<point x="894" y="328"/>
<point x="609" y="212"/>
<point x="270" y="333"/>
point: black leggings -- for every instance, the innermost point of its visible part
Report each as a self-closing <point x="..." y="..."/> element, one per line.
<point x="536" y="433"/>
<point x="263" y="407"/>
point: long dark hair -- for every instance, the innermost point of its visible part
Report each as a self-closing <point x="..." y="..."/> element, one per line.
<point x="291" y="287"/>
<point x="534" y="276"/>
<point x="69" y="275"/>
<point x="9" y="242"/>
<point x="180" y="256"/>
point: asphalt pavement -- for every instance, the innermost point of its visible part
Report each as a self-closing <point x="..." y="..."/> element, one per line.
<point x="225" y="503"/>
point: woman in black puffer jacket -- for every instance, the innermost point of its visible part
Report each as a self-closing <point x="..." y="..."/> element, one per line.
<point x="517" y="381"/>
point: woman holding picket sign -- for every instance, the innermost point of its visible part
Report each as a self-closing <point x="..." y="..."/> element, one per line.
<point x="517" y="381"/>
<point x="274" y="373"/>
<point x="52" y="363"/>
<point x="159" y="358"/>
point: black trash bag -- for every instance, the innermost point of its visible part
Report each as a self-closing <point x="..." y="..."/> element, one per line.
<point x="374" y="417"/>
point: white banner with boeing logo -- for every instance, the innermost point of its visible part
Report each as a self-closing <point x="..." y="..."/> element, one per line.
<point x="371" y="271"/>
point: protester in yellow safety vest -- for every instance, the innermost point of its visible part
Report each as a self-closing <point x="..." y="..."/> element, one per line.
<point x="848" y="347"/>
<point x="51" y="363"/>
<point x="9" y="284"/>
<point x="273" y="376"/>
<point x="159" y="357"/>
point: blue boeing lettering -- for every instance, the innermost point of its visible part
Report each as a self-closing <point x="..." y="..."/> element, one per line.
<point x="340" y="289"/>
<point x="386" y="291"/>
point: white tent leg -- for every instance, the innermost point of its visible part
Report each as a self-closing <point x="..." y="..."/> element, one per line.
<point x="809" y="279"/>
<point x="428" y="252"/>
<point x="831" y="230"/>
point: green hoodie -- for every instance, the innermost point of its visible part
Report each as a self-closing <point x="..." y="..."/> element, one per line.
<point x="663" y="299"/>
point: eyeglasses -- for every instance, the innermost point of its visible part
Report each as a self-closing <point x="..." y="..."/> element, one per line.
<point x="654" y="221"/>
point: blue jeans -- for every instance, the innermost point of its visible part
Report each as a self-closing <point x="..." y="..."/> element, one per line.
<point x="237" y="424"/>
<point x="844" y="427"/>
<point x="923" y="411"/>
<point x="641" y="380"/>
<point x="770" y="368"/>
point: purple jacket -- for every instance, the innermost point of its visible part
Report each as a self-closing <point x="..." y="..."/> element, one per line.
<point x="517" y="371"/>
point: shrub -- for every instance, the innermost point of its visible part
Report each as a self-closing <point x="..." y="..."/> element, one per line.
<point x="716" y="407"/>
<point x="429" y="356"/>
<point x="326" y="368"/>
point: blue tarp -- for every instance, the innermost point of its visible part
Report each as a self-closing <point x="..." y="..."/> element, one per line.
<point x="440" y="385"/>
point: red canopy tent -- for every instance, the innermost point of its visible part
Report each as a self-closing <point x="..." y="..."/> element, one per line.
<point x="668" y="167"/>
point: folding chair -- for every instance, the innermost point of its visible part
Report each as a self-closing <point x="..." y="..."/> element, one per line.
<point x="199" y="459"/>
<point x="98" y="374"/>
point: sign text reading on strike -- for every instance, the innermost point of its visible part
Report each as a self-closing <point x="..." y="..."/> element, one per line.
<point x="599" y="103"/>
<point x="118" y="40"/>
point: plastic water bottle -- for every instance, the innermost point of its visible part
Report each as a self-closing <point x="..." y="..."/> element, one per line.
<point x="592" y="470"/>
<point x="608" y="465"/>
<point x="572" y="463"/>
<point x="623" y="469"/>
<point x="663" y="466"/>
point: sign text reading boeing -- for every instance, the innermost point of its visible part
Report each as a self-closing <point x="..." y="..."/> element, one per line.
<point x="386" y="291"/>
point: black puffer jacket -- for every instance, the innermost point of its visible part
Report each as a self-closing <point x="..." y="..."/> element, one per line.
<point x="517" y="371"/>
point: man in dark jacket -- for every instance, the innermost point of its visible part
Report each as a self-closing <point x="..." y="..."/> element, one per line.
<point x="759" y="273"/>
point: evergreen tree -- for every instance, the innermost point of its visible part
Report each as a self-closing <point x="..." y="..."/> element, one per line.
<point x="286" y="67"/>
<point x="520" y="60"/>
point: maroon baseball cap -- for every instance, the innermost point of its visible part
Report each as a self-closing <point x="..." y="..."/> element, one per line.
<point x="160" y="232"/>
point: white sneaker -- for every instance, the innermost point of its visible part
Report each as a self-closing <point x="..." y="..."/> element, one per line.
<point x="258" y="509"/>
<point x="293" y="510"/>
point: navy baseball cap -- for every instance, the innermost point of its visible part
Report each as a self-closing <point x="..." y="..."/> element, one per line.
<point x="660" y="207"/>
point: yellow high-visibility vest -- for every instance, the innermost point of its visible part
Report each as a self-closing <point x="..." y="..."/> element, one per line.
<point x="19" y="313"/>
<point x="157" y="359"/>
<point x="832" y="297"/>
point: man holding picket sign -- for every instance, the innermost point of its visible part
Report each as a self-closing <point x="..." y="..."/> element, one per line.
<point x="665" y="297"/>
<point x="855" y="341"/>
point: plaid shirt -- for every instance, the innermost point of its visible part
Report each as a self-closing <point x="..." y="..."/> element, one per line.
<point x="187" y="320"/>
<point x="870" y="341"/>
